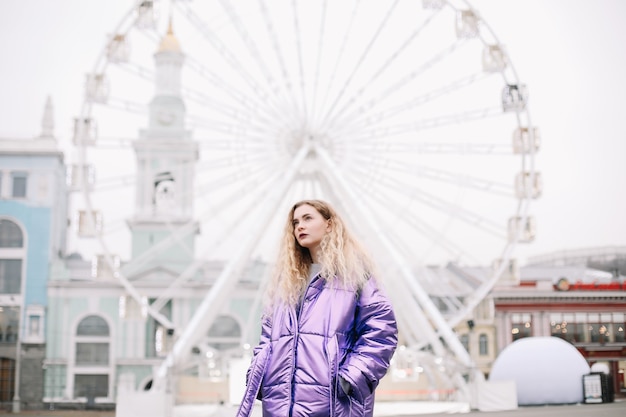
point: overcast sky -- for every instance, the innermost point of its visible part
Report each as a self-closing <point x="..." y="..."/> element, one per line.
<point x="570" y="53"/>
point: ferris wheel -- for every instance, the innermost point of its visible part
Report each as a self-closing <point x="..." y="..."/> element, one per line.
<point x="407" y="115"/>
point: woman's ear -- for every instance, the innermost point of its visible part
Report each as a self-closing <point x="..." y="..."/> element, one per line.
<point x="328" y="225"/>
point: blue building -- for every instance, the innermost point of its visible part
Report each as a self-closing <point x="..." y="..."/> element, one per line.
<point x="33" y="218"/>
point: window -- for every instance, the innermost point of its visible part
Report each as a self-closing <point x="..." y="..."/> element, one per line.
<point x="9" y="320"/>
<point x="34" y="325"/>
<point x="589" y="327"/>
<point x="483" y="344"/>
<point x="10" y="235"/>
<point x="92" y="352"/>
<point x="19" y="185"/>
<point x="11" y="252"/>
<point x="10" y="276"/>
<point x="91" y="386"/>
<point x="521" y="326"/>
<point x="34" y="328"/>
<point x="618" y="327"/>
<point x="92" y="326"/>
<point x="225" y="333"/>
<point x="164" y="193"/>
<point x="569" y="327"/>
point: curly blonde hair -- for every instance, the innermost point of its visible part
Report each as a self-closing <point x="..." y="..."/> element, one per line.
<point x="343" y="260"/>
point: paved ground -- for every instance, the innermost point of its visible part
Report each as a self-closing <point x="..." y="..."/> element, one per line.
<point x="615" y="409"/>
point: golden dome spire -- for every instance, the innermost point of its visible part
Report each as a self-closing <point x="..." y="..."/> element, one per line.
<point x="169" y="43"/>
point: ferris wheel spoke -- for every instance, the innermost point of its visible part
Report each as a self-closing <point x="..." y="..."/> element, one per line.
<point x="235" y="162"/>
<point x="227" y="180"/>
<point x="364" y="115"/>
<point x="340" y="54"/>
<point x="228" y="128"/>
<point x="113" y="226"/>
<point x="127" y="106"/>
<point x="380" y="71"/>
<point x="116" y="143"/>
<point x="422" y="171"/>
<point x="382" y="197"/>
<point x="403" y="82"/>
<point x="377" y="133"/>
<point x="274" y="39"/>
<point x="235" y="114"/>
<point x="258" y="90"/>
<point x="299" y="48"/>
<point x="238" y="143"/>
<point x="318" y="60"/>
<point x="403" y="187"/>
<point x="136" y="69"/>
<point x="439" y="148"/>
<point x="114" y="183"/>
<point x="245" y="102"/>
<point x="251" y="46"/>
<point x="328" y="114"/>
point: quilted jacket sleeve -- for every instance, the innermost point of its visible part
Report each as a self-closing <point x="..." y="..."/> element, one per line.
<point x="376" y="342"/>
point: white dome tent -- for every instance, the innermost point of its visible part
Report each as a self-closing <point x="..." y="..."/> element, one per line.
<point x="546" y="370"/>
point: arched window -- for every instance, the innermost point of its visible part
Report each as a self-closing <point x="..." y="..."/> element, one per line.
<point x="12" y="253"/>
<point x="92" y="326"/>
<point x="10" y="235"/>
<point x="224" y="334"/>
<point x="91" y="375"/>
<point x="483" y="344"/>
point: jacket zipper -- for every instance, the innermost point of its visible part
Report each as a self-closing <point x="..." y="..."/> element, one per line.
<point x="293" y="361"/>
<point x="296" y="336"/>
<point x="294" y="355"/>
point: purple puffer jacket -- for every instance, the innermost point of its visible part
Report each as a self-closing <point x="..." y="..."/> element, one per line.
<point x="337" y="332"/>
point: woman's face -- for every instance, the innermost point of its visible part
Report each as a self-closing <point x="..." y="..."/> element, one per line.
<point x="309" y="227"/>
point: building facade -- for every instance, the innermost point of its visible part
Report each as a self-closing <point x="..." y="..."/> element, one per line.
<point x="560" y="297"/>
<point x="33" y="206"/>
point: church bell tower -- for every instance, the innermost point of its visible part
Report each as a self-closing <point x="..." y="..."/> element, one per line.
<point x="166" y="157"/>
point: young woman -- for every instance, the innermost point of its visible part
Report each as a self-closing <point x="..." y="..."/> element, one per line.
<point x="328" y="331"/>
